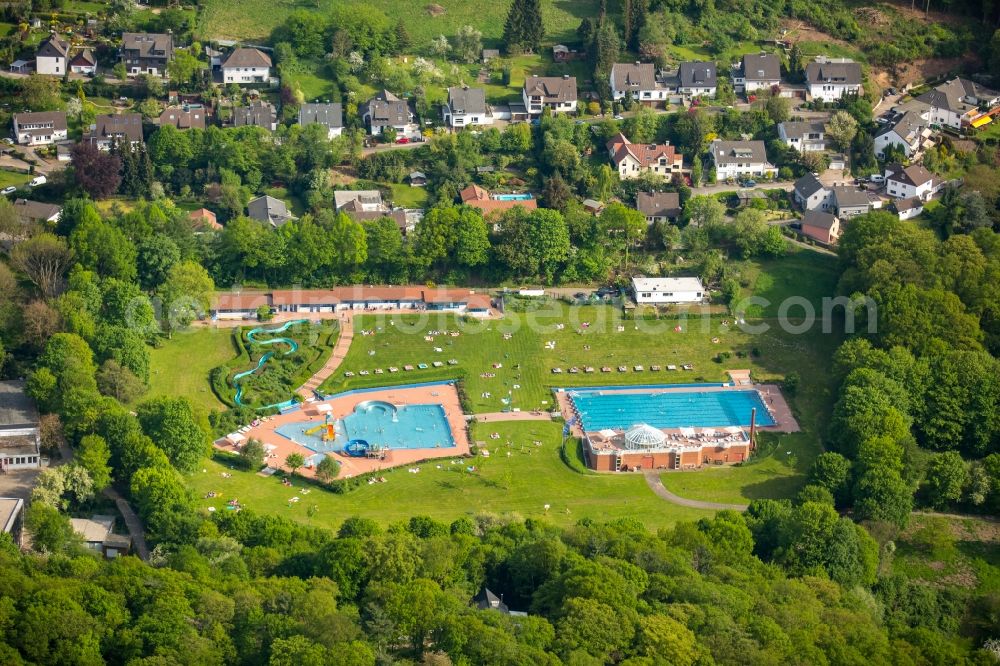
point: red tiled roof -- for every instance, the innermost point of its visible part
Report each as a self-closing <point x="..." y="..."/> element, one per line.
<point x="242" y="301"/>
<point x="644" y="153"/>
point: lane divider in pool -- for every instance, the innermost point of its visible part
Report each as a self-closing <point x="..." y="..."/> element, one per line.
<point x="293" y="347"/>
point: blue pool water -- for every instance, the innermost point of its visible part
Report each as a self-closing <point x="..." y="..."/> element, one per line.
<point x="688" y="409"/>
<point x="378" y="423"/>
<point x="524" y="196"/>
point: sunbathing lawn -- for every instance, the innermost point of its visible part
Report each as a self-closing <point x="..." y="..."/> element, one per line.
<point x="182" y="365"/>
<point x="15" y="178"/>
<point x="408" y="197"/>
<point x="522" y="483"/>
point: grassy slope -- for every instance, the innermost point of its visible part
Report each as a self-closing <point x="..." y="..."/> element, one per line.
<point x="953" y="552"/>
<point x="253" y="20"/>
<point x="523" y="483"/>
<point x="181" y="366"/>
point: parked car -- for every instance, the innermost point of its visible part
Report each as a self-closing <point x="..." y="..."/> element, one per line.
<point x="403" y="139"/>
<point x="38" y="180"/>
<point x="7" y="191"/>
<point x="607" y="291"/>
<point x="749" y="183"/>
<point x="877" y="178"/>
<point x="619" y="117"/>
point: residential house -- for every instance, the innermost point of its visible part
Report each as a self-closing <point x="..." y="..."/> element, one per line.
<point x="910" y="182"/>
<point x="36" y="211"/>
<point x="737" y="159"/>
<point x="204" y="220"/>
<point x="632" y="160"/>
<point x="111" y="128"/>
<point x="147" y="53"/>
<point x="829" y="79"/>
<point x="246" y="65"/>
<point x="697" y="79"/>
<point x="757" y="71"/>
<point x="269" y="210"/>
<point x="477" y="197"/>
<point x="330" y="116"/>
<point x="40" y="128"/>
<point x="960" y="103"/>
<point x="849" y="202"/>
<point x="385" y="110"/>
<point x="189" y="116"/>
<point x="466" y="106"/>
<point x="810" y="194"/>
<point x="593" y="206"/>
<point x="258" y="114"/>
<point x="641" y="82"/>
<point x="659" y="206"/>
<point x="804" y="136"/>
<point x="20" y="438"/>
<point x="556" y="93"/>
<point x="821" y="226"/>
<point x="97" y="533"/>
<point x="83" y="62"/>
<point x="361" y="200"/>
<point x="417" y="179"/>
<point x="668" y="290"/>
<point x="911" y="132"/>
<point x="52" y="56"/>
<point x="908" y="208"/>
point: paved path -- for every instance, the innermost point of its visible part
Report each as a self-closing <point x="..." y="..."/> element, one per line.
<point x="513" y="416"/>
<point x="656" y="485"/>
<point x="785" y="185"/>
<point x="336" y="358"/>
<point x="135" y="528"/>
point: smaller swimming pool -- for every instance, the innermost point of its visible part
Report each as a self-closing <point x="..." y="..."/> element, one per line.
<point x="379" y="423"/>
<point x="523" y="196"/>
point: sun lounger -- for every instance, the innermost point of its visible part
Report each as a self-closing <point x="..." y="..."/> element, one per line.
<point x="605" y="369"/>
<point x="407" y="367"/>
<point x="393" y="369"/>
<point x="671" y="367"/>
<point x="638" y="368"/>
<point x="622" y="368"/>
<point x="556" y="371"/>
<point x="363" y="372"/>
<point x="379" y="371"/>
<point x="422" y="366"/>
<point x="348" y="374"/>
<point x="452" y="361"/>
<point x="589" y="368"/>
<point x="688" y="366"/>
<point x="438" y="364"/>
<point x="654" y="368"/>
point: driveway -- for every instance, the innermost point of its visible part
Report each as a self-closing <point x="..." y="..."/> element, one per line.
<point x="786" y="185"/>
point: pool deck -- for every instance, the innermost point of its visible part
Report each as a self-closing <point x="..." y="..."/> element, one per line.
<point x="340" y="406"/>
<point x="770" y="394"/>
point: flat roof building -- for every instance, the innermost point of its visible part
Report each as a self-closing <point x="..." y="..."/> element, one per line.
<point x="668" y="290"/>
<point x="20" y="441"/>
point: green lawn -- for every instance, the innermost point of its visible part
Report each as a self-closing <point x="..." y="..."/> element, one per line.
<point x="182" y="365"/>
<point x="408" y="197"/>
<point x="14" y="178"/>
<point x="253" y="20"/>
<point x="952" y="552"/>
<point x="522" y="483"/>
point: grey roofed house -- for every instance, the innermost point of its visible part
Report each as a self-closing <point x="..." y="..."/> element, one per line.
<point x="552" y="89"/>
<point x="800" y="129"/>
<point x="818" y="219"/>
<point x="142" y="50"/>
<point x="45" y="121"/>
<point x="36" y="211"/>
<point x="486" y="600"/>
<point x="116" y="126"/>
<point x="844" y="73"/>
<point x="257" y="114"/>
<point x="268" y="209"/>
<point x="905" y="125"/>
<point x="366" y="198"/>
<point x="849" y="197"/>
<point x="739" y="152"/>
<point x="330" y="116"/>
<point x="658" y="204"/>
<point x="247" y="57"/>
<point x="697" y="75"/>
<point x="629" y="77"/>
<point x="808" y="185"/>
<point x="183" y="117"/>
<point x="958" y="94"/>
<point x="761" y="67"/>
<point x="463" y="99"/>
<point x="53" y="47"/>
<point x="387" y="110"/>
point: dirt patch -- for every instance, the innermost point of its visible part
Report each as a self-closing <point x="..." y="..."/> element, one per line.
<point x="434" y="10"/>
<point x="343" y="176"/>
<point x="936" y="566"/>
<point x="800" y="31"/>
<point x="924" y="69"/>
<point x="964" y="577"/>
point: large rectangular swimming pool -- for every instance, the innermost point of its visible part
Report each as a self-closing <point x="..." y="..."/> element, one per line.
<point x="603" y="409"/>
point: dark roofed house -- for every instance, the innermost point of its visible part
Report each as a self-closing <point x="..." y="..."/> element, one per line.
<point x="184" y="117"/>
<point x="417" y="178"/>
<point x="908" y="208"/>
<point x="829" y="79"/>
<point x="52" y="56"/>
<point x="110" y="128"/>
<point x="466" y="106"/>
<point x="736" y="159"/>
<point x="83" y="62"/>
<point x="486" y="600"/>
<point x="97" y="533"/>
<point x="330" y="116"/>
<point x="269" y="210"/>
<point x="849" y="201"/>
<point x="658" y="206"/>
<point x="641" y="82"/>
<point x="558" y="93"/>
<point x="803" y="135"/>
<point x="246" y="65"/>
<point x="960" y="103"/>
<point x="258" y="114"/>
<point x="810" y="194"/>
<point x="386" y="110"/>
<point x="757" y="71"/>
<point x="36" y="211"/>
<point x="147" y="53"/>
<point x="697" y="78"/>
